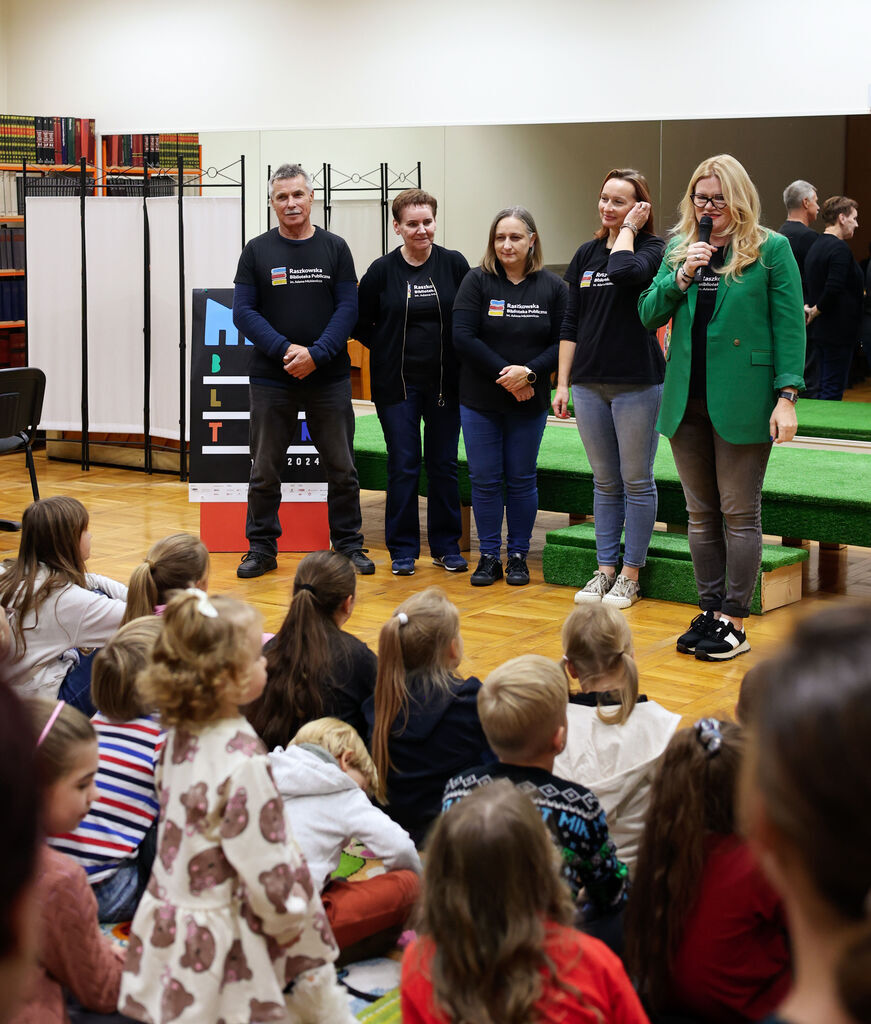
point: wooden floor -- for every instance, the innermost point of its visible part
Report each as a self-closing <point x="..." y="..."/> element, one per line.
<point x="130" y="510"/>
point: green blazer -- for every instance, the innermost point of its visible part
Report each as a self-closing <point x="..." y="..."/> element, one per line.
<point x="756" y="342"/>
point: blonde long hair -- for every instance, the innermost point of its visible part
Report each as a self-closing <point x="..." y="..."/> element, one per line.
<point x="598" y="644"/>
<point x="747" y="234"/>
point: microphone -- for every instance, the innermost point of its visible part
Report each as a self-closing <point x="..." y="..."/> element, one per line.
<point x="705" y="226"/>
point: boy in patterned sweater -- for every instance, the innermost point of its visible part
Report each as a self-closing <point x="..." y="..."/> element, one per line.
<point x="522" y="707"/>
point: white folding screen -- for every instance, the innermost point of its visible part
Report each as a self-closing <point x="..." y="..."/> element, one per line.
<point x="115" y="257"/>
<point x="358" y="221"/>
<point x="54" y="306"/>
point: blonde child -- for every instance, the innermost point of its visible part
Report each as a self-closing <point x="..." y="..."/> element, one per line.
<point x="615" y="738"/>
<point x="705" y="933"/>
<point x="313" y="666"/>
<point x="522" y="705"/>
<point x="54" y="605"/>
<point x="73" y="954"/>
<point x="324" y="777"/>
<point x="496" y="942"/>
<point x="230" y="918"/>
<point x="116" y="841"/>
<point x="173" y="563"/>
<point x="423" y="719"/>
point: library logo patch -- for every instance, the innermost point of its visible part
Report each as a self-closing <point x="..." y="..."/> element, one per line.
<point x="497" y="307"/>
<point x="279" y="275"/>
<point x="587" y="279"/>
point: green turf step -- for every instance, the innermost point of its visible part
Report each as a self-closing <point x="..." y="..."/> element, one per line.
<point x="569" y="560"/>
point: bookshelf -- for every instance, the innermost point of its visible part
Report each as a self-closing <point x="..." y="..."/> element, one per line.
<point x="129" y="159"/>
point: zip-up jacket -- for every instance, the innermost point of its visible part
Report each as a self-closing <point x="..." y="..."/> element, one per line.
<point x="383" y="306"/>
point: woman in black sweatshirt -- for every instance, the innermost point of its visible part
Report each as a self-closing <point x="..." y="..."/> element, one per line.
<point x="405" y="302"/>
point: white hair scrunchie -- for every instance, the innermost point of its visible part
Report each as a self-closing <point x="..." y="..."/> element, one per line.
<point x="204" y="605"/>
<point x="403" y="618"/>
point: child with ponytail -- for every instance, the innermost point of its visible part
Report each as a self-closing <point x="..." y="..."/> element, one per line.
<point x="116" y="841"/>
<point x="615" y="738"/>
<point x="705" y="933"/>
<point x="174" y="563"/>
<point x="54" y="605"/>
<point x="423" y="718"/>
<point x="73" y="954"/>
<point x="805" y="793"/>
<point x="314" y="668"/>
<point x="230" y="921"/>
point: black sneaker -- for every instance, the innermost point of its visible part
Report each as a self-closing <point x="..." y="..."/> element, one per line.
<point x="255" y="563"/>
<point x="363" y="565"/>
<point x="489" y="570"/>
<point x="516" y="572"/>
<point x="701" y="627"/>
<point x="722" y="643"/>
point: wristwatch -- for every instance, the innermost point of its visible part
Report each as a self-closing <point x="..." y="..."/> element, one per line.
<point x="790" y="396"/>
<point x="531" y="376"/>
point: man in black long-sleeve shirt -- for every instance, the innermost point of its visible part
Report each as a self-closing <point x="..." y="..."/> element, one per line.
<point x="802" y="207"/>
<point x="296" y="302"/>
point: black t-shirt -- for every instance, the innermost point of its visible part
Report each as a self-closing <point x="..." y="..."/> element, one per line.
<point x="497" y="324"/>
<point x="295" y="282"/>
<point x="612" y="345"/>
<point x="800" y="238"/>
<point x="707" y="282"/>
<point x="423" y="327"/>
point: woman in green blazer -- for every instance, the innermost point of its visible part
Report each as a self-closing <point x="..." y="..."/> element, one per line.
<point x="733" y="371"/>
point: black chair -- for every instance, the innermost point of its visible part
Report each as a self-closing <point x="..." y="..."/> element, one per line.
<point x="22" y="389"/>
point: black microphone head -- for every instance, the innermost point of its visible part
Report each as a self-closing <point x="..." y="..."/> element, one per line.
<point x="705" y="225"/>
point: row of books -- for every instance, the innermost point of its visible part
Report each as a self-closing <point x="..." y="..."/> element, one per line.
<point x="152" y="149"/>
<point x="12" y="248"/>
<point x="47" y="140"/>
<point x="12" y="348"/>
<point x="126" y="185"/>
<point x="8" y="195"/>
<point x="12" y="298"/>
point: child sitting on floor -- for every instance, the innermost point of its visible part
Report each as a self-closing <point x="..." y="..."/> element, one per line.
<point x="615" y="737"/>
<point x="116" y="841"/>
<point x="522" y="705"/>
<point x="705" y="933"/>
<point x="55" y="606"/>
<point x="230" y="920"/>
<point x="73" y="954"/>
<point x="495" y="938"/>
<point x="173" y="563"/>
<point x="323" y="778"/>
<point x="423" y="719"/>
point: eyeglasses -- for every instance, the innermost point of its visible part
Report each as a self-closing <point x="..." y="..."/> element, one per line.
<point x="700" y="202"/>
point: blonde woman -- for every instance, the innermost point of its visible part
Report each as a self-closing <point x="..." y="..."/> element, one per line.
<point x="733" y="373"/>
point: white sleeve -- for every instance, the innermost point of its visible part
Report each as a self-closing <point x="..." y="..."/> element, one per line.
<point x="90" y="619"/>
<point x="110" y="587"/>
<point x="382" y="835"/>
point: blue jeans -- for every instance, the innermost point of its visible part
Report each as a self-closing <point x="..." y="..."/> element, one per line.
<point x="501" y="445"/>
<point x="274" y="421"/>
<point x="835" y="362"/>
<point x="617" y="427"/>
<point x="400" y="422"/>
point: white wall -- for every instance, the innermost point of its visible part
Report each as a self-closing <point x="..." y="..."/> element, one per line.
<point x="219" y="64"/>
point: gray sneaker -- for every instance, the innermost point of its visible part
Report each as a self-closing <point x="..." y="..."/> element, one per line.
<point x="596" y="589"/>
<point x="623" y="594"/>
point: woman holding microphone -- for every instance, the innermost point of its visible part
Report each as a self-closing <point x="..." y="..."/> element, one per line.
<point x="733" y="373"/>
<point x="507" y="317"/>
<point x="615" y="367"/>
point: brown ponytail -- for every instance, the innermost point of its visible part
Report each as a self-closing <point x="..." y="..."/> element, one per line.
<point x="597" y="643"/>
<point x="173" y="563"/>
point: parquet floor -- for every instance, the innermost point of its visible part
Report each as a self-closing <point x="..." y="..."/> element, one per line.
<point x="130" y="510"/>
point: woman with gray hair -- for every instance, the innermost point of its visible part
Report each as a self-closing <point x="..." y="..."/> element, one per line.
<point x="507" y="318"/>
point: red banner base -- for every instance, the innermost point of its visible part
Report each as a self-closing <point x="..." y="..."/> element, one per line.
<point x="304" y="526"/>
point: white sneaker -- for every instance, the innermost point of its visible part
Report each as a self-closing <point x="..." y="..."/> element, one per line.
<point x="623" y="594"/>
<point x="596" y="589"/>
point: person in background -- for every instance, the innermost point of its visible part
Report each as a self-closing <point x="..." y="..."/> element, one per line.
<point x="733" y="372"/>
<point x="172" y="563"/>
<point x="805" y="789"/>
<point x="507" y="318"/>
<point x="495" y="942"/>
<point x="802" y="209"/>
<point x="405" y="302"/>
<point x="615" y="366"/>
<point x="296" y="302"/>
<point x="835" y="289"/>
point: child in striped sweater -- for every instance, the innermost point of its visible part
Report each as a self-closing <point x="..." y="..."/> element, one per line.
<point x="115" y="841"/>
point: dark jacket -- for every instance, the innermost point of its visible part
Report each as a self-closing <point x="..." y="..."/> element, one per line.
<point x="381" y="320"/>
<point x="835" y="287"/>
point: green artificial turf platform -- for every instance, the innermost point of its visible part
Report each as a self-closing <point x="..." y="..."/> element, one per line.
<point x="812" y="494"/>
<point x="569" y="560"/>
